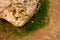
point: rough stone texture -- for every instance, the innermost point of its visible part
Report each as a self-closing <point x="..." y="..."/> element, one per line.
<point x="4" y="4"/>
<point x="17" y="12"/>
<point x="52" y="32"/>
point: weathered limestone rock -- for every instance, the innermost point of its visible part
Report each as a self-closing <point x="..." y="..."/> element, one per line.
<point x="17" y="12"/>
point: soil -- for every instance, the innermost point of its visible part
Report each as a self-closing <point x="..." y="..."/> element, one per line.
<point x="52" y="32"/>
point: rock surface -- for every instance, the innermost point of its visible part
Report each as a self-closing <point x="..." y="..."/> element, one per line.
<point x="4" y="4"/>
<point x="17" y="12"/>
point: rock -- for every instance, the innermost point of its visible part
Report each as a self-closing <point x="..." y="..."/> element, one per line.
<point x="4" y="4"/>
<point x="18" y="12"/>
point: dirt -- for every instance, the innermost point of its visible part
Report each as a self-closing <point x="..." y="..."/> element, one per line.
<point x="52" y="32"/>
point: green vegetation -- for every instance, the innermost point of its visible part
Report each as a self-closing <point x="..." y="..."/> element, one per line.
<point x="39" y="20"/>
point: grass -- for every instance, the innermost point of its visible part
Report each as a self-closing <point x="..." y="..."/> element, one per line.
<point x="38" y="21"/>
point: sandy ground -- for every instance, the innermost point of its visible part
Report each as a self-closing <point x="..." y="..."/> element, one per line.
<point x="52" y="32"/>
